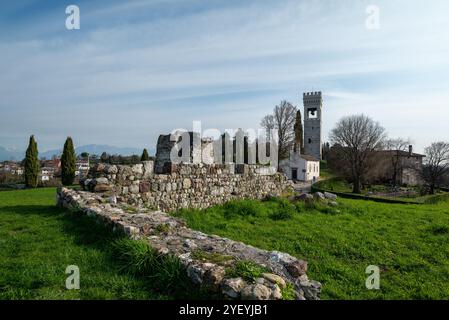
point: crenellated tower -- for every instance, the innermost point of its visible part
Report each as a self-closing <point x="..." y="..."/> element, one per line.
<point x="313" y="104"/>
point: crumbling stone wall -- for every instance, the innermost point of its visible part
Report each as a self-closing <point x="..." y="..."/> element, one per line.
<point x="196" y="250"/>
<point x="186" y="185"/>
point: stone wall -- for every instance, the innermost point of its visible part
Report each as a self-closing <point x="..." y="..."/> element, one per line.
<point x="186" y="185"/>
<point x="207" y="259"/>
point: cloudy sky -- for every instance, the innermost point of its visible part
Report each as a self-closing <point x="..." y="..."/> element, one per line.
<point x="139" y="68"/>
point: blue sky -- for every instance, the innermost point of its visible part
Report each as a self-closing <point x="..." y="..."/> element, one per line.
<point x="139" y="68"/>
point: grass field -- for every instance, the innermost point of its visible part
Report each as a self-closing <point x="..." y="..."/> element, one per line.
<point x="38" y="241"/>
<point x="409" y="243"/>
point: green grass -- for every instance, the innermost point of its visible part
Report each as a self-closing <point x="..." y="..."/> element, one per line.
<point x="38" y="241"/>
<point x="410" y="243"/>
<point x="325" y="172"/>
<point x="339" y="185"/>
<point x="246" y="269"/>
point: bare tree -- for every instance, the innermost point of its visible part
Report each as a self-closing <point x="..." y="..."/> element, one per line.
<point x="282" y="119"/>
<point x="397" y="145"/>
<point x="358" y="137"/>
<point x="437" y="164"/>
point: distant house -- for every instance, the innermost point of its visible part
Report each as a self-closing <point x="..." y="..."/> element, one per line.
<point x="82" y="167"/>
<point x="13" y="168"/>
<point x="403" y="166"/>
<point x="47" y="173"/>
<point x="300" y="167"/>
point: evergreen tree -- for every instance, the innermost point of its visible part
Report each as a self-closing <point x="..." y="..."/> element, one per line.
<point x="31" y="164"/>
<point x="68" y="163"/>
<point x="104" y="157"/>
<point x="145" y="156"/>
<point x="299" y="137"/>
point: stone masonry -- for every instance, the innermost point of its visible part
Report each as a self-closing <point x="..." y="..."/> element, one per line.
<point x="111" y="191"/>
<point x="187" y="185"/>
<point x="169" y="235"/>
<point x="313" y="104"/>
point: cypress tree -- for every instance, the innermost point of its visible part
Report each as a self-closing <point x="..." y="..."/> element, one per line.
<point x="145" y="156"/>
<point x="68" y="163"/>
<point x="299" y="136"/>
<point x="31" y="164"/>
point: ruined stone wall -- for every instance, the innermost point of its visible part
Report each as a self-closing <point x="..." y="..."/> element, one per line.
<point x="187" y="185"/>
<point x="207" y="259"/>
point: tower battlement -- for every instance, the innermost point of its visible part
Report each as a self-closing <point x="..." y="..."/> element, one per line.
<point x="312" y="94"/>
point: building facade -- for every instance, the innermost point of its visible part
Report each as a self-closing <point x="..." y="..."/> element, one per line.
<point x="299" y="167"/>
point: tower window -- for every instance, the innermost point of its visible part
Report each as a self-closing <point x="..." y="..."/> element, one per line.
<point x="310" y="140"/>
<point x="312" y="113"/>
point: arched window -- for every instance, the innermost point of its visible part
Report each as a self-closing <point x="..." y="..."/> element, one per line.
<point x="310" y="140"/>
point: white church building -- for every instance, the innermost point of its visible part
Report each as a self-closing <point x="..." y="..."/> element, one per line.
<point x="306" y="167"/>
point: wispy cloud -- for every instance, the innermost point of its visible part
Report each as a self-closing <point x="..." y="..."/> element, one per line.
<point x="138" y="69"/>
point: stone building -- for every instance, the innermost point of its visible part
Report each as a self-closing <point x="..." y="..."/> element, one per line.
<point x="399" y="167"/>
<point x="313" y="104"/>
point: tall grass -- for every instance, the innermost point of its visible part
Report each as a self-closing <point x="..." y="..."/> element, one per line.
<point x="137" y="257"/>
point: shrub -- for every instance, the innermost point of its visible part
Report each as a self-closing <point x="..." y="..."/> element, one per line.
<point x="145" y="156"/>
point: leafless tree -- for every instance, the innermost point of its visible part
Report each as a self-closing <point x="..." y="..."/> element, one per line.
<point x="437" y="164"/>
<point x="358" y="136"/>
<point x="282" y="119"/>
<point x="397" y="145"/>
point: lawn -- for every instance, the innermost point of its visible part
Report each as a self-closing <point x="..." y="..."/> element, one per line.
<point x="38" y="241"/>
<point x="409" y="194"/>
<point x="409" y="243"/>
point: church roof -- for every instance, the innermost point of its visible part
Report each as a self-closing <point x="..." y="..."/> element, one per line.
<point x="308" y="157"/>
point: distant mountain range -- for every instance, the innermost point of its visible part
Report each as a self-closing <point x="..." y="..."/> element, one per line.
<point x="10" y="154"/>
<point x="15" y="155"/>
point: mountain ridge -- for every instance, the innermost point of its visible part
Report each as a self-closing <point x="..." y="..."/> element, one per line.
<point x="17" y="155"/>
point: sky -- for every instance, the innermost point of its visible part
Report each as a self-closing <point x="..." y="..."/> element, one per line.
<point x="137" y="69"/>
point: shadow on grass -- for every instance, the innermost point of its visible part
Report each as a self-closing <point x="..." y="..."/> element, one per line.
<point x="88" y="232"/>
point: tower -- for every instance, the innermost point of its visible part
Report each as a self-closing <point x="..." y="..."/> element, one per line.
<point x="313" y="104"/>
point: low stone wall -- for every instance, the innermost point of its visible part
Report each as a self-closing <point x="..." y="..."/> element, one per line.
<point x="197" y="251"/>
<point x="187" y="185"/>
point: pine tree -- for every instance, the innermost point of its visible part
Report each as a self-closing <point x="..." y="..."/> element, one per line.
<point x="31" y="164"/>
<point x="68" y="163"/>
<point x="145" y="156"/>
